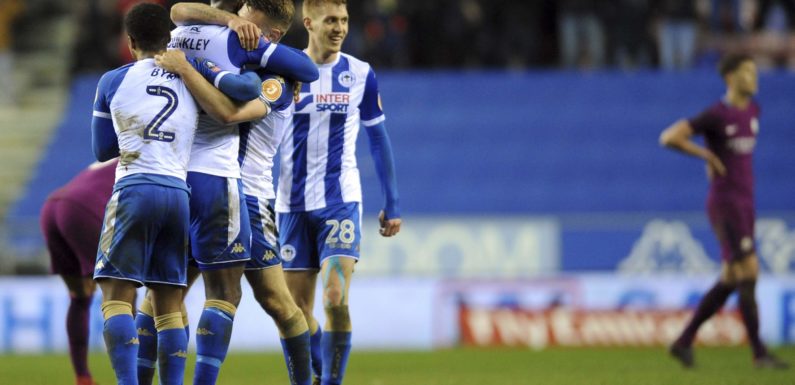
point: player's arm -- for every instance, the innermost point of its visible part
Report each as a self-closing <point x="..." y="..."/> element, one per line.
<point x="283" y="60"/>
<point x="679" y="137"/>
<point x="381" y="150"/>
<point x="196" y="13"/>
<point x="104" y="142"/>
<point x="212" y="100"/>
<point x="241" y="87"/>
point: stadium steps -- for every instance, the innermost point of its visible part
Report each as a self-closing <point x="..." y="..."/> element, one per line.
<point x="41" y="77"/>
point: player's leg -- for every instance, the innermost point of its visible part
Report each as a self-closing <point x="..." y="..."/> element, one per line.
<point x="338" y="240"/>
<point x="302" y="284"/>
<point x="265" y="275"/>
<point x="166" y="277"/>
<point x="300" y="260"/>
<point x="714" y="299"/>
<point x="172" y="342"/>
<point x="147" y="332"/>
<point x="119" y="270"/>
<point x="220" y="237"/>
<point x="270" y="290"/>
<point x="745" y="272"/>
<point x="81" y="294"/>
<point x="119" y="331"/>
<point x="336" y="279"/>
<point x="77" y="275"/>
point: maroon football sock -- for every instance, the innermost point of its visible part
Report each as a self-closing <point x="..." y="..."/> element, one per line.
<point x="748" y="309"/>
<point x="77" y="329"/>
<point x="709" y="305"/>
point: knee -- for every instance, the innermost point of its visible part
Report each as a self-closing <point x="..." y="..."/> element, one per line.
<point x="338" y="317"/>
<point x="228" y="293"/>
<point x="276" y="307"/>
<point x="333" y="295"/>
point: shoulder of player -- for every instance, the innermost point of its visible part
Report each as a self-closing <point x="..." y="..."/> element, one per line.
<point x="201" y="30"/>
<point x="115" y="76"/>
<point x="357" y="66"/>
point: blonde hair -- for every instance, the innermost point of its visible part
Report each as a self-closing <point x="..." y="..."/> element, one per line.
<point x="315" y="4"/>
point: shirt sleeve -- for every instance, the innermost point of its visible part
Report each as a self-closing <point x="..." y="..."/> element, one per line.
<point x="705" y="122"/>
<point x="103" y="136"/>
<point x="277" y="92"/>
<point x="276" y="58"/>
<point x="370" y="109"/>
<point x="101" y="100"/>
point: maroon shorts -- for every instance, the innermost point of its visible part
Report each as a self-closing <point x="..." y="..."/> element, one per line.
<point x="734" y="226"/>
<point x="72" y="235"/>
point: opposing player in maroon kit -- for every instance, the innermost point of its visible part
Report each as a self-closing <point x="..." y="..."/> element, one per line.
<point x="729" y="128"/>
<point x="71" y="221"/>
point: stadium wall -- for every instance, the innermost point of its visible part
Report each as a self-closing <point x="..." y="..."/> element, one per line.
<point x="425" y="313"/>
<point x="504" y="177"/>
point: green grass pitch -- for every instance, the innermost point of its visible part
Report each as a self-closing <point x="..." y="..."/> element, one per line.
<point x="608" y="366"/>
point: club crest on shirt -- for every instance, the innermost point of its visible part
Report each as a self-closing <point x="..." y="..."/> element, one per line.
<point x="346" y="79"/>
<point x="288" y="253"/>
<point x="272" y="90"/>
<point x="731" y="129"/>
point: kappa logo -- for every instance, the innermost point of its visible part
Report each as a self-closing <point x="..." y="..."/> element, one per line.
<point x="288" y="253"/>
<point x="272" y="90"/>
<point x="145" y="333"/>
<point x="100" y="265"/>
<point x="346" y="79"/>
<point x="238" y="248"/>
<point x="268" y="255"/>
<point x="133" y="341"/>
<point x="204" y="332"/>
<point x="195" y="29"/>
<point x="180" y="354"/>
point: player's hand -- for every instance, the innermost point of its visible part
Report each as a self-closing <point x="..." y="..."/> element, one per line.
<point x="247" y="31"/>
<point x="715" y="167"/>
<point x="173" y="61"/>
<point x="389" y="227"/>
<point x="297" y="91"/>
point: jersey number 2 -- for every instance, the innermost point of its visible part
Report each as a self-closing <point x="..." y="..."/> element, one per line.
<point x="151" y="132"/>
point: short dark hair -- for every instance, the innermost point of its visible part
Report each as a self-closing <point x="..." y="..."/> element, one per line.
<point x="227" y="5"/>
<point x="149" y="25"/>
<point x="280" y="12"/>
<point x="731" y="62"/>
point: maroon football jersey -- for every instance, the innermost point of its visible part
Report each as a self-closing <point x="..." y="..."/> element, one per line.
<point x="730" y="133"/>
<point x="91" y="188"/>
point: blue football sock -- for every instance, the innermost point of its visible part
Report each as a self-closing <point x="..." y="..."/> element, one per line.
<point x="147" y="350"/>
<point x="296" y="355"/>
<point x="316" y="352"/>
<point x="212" y="340"/>
<point x="172" y="348"/>
<point x="336" y="348"/>
<point x="121" y="341"/>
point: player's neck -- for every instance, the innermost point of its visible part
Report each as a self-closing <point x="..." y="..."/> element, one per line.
<point x="737" y="99"/>
<point x="321" y="56"/>
<point x="141" y="55"/>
